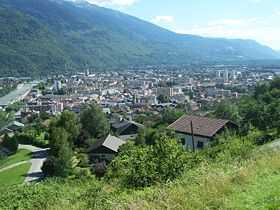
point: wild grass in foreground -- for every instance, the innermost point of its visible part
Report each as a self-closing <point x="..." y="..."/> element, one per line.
<point x="250" y="184"/>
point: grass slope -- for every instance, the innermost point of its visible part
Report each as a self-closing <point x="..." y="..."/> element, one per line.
<point x="21" y="155"/>
<point x="14" y="175"/>
<point x="240" y="185"/>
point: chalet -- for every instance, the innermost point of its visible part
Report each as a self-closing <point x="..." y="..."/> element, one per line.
<point x="105" y="149"/>
<point x="11" y="127"/>
<point x="204" y="130"/>
<point x="126" y="127"/>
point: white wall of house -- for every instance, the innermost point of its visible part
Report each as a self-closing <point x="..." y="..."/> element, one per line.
<point x="198" y="141"/>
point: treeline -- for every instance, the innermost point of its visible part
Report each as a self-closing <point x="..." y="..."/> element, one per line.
<point x="261" y="110"/>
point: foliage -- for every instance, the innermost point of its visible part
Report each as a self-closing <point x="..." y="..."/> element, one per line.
<point x="10" y="143"/>
<point x="171" y="115"/>
<point x="32" y="136"/>
<point x="5" y="117"/>
<point x="148" y="136"/>
<point x="70" y="122"/>
<point x="14" y="107"/>
<point x="57" y="37"/>
<point x="59" y="162"/>
<point x="94" y="122"/>
<point x="6" y="89"/>
<point x="211" y="185"/>
<point x="228" y="110"/>
<point x="261" y="109"/>
<point x="163" y="99"/>
<point x="141" y="166"/>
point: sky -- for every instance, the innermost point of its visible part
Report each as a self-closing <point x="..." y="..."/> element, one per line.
<point x="246" y="19"/>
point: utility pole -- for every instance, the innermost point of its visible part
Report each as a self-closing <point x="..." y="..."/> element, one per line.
<point x="193" y="147"/>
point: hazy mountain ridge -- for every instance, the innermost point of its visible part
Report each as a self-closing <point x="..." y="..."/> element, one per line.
<point x="43" y="35"/>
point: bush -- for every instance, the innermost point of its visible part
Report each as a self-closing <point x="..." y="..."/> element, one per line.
<point x="142" y="166"/>
<point x="48" y="167"/>
<point x="32" y="136"/>
<point x="10" y="143"/>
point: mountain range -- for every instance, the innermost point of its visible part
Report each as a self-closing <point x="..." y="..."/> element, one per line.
<point x="50" y="36"/>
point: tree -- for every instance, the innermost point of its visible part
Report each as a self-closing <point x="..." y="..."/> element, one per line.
<point x="10" y="143"/>
<point x="70" y="123"/>
<point x="171" y="115"/>
<point x="94" y="122"/>
<point x="58" y="139"/>
<point x="229" y="111"/>
<point x="163" y="99"/>
<point x="59" y="163"/>
<point x="170" y="158"/>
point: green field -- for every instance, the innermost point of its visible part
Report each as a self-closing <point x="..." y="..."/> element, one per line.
<point x="14" y="175"/>
<point x="21" y="155"/>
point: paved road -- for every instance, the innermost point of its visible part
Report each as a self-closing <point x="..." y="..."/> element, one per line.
<point x="39" y="155"/>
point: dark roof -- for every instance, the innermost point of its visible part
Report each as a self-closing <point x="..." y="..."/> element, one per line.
<point x="202" y="126"/>
<point x="111" y="142"/>
<point x="122" y="125"/>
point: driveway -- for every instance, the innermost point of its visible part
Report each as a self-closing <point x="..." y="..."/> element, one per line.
<point x="39" y="155"/>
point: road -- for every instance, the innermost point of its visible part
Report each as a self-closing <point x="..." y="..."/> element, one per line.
<point x="39" y="155"/>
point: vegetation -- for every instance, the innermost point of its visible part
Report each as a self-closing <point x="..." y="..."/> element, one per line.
<point x="5" y="117"/>
<point x="7" y="89"/>
<point x="32" y="136"/>
<point x="10" y="143"/>
<point x="14" y="176"/>
<point x="154" y="172"/>
<point x="59" y="160"/>
<point x="21" y="155"/>
<point x="230" y="184"/>
<point x="143" y="166"/>
<point x="56" y="37"/>
<point x="94" y="122"/>
<point x="261" y="110"/>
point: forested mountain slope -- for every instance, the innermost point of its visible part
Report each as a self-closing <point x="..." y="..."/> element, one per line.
<point x="43" y="36"/>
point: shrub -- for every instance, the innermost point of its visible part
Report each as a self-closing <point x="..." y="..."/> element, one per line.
<point x="10" y="143"/>
<point x="141" y="166"/>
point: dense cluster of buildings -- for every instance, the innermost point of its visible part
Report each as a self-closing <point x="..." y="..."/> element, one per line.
<point x="136" y="91"/>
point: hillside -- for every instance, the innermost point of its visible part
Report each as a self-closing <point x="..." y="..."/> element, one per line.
<point x="211" y="186"/>
<point x="43" y="36"/>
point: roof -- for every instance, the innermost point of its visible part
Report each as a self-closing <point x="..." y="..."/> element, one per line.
<point x="202" y="126"/>
<point x="10" y="126"/>
<point x="111" y="142"/>
<point x="120" y="126"/>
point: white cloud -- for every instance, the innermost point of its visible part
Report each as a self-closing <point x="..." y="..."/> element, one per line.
<point x="163" y="19"/>
<point x="277" y="12"/>
<point x="255" y="1"/>
<point x="122" y="3"/>
<point x="233" y="22"/>
<point x="262" y="30"/>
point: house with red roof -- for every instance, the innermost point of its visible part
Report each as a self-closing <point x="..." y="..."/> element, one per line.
<point x="197" y="132"/>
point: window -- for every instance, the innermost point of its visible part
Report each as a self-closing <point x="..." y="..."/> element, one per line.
<point x="200" y="145"/>
<point x="183" y="141"/>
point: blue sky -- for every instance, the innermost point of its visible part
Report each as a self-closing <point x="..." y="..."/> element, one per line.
<point x="248" y="19"/>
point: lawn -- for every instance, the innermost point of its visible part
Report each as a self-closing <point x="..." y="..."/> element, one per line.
<point x="14" y="175"/>
<point x="21" y="155"/>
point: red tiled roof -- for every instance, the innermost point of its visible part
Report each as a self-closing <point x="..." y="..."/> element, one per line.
<point x="202" y="126"/>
